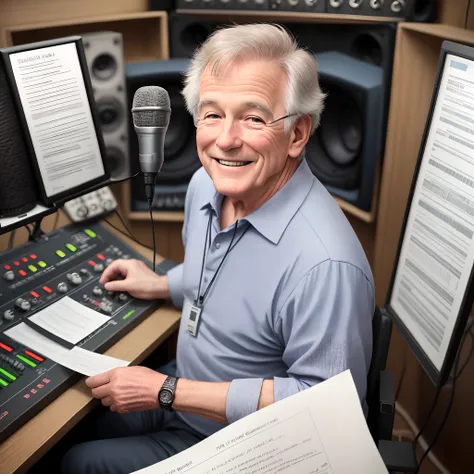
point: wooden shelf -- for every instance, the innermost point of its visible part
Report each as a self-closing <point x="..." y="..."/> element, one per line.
<point x="145" y="34"/>
<point x="163" y="216"/>
<point x="295" y="17"/>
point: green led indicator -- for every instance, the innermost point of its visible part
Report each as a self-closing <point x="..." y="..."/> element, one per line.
<point x="26" y="360"/>
<point x="128" y="314"/>
<point x="7" y="374"/>
<point x="2" y="382"/>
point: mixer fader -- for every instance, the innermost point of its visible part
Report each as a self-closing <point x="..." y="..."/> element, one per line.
<point x="68" y="262"/>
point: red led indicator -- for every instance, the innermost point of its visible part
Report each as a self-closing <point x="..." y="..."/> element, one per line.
<point x="34" y="294"/>
<point x="7" y="267"/>
<point x="34" y="356"/>
<point x="91" y="263"/>
<point x="17" y="263"/>
<point x="100" y="256"/>
<point x="5" y="347"/>
<point x="22" y="272"/>
<point x="24" y="259"/>
<point x="47" y="289"/>
<point x="33" y="256"/>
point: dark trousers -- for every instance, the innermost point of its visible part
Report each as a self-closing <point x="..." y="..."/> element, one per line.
<point x="128" y="442"/>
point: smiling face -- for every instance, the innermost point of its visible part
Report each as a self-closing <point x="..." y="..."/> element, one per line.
<point x="247" y="160"/>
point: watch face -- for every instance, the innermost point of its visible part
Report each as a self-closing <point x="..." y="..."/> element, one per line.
<point x="165" y="396"/>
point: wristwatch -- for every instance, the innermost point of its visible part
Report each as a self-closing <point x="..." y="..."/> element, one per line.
<point x="166" y="393"/>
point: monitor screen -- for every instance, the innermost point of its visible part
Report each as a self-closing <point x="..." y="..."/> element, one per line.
<point x="54" y="97"/>
<point x="431" y="292"/>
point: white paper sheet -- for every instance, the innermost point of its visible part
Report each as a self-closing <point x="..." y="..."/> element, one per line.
<point x="80" y="360"/>
<point x="69" y="320"/>
<point x="320" y="430"/>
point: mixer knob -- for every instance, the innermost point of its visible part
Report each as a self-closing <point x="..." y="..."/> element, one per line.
<point x="108" y="261"/>
<point x="123" y="297"/>
<point x="84" y="272"/>
<point x="22" y="304"/>
<point x="8" y="314"/>
<point x="105" y="306"/>
<point x="97" y="291"/>
<point x="9" y="276"/>
<point x="111" y="294"/>
<point x="82" y="211"/>
<point x="108" y="204"/>
<point x="126" y="256"/>
<point x="74" y="278"/>
<point x="98" y="267"/>
<point x="62" y="287"/>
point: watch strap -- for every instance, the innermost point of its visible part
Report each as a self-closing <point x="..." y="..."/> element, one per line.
<point x="168" y="385"/>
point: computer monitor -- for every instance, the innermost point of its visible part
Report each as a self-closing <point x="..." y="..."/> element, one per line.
<point x="431" y="292"/>
<point x="53" y="93"/>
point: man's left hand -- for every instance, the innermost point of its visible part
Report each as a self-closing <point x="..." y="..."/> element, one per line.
<point x="127" y="389"/>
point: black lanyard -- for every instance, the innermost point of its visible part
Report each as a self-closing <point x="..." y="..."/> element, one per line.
<point x="200" y="298"/>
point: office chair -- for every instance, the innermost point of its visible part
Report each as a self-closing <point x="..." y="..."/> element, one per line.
<point x="397" y="456"/>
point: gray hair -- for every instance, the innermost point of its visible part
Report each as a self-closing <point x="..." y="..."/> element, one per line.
<point x="260" y="41"/>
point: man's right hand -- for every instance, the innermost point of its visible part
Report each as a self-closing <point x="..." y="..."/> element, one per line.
<point x="134" y="277"/>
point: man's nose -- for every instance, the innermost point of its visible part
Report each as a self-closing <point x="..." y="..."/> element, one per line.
<point x="229" y="136"/>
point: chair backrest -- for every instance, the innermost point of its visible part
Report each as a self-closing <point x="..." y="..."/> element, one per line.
<point x="381" y="335"/>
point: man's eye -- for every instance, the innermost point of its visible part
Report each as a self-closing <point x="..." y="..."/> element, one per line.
<point x="256" y="119"/>
<point x="211" y="116"/>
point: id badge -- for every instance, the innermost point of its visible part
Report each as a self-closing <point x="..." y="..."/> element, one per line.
<point x="193" y="320"/>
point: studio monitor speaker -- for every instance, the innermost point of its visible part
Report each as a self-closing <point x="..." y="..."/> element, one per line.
<point x="346" y="151"/>
<point x="181" y="160"/>
<point x="105" y="59"/>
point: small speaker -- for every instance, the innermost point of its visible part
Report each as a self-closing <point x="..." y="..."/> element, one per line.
<point x="346" y="149"/>
<point x="18" y="192"/>
<point x="105" y="59"/>
<point x="181" y="160"/>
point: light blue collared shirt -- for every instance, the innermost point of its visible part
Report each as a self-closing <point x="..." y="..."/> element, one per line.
<point x="293" y="300"/>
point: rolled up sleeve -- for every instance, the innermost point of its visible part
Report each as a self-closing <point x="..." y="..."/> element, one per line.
<point x="326" y="326"/>
<point x="175" y="285"/>
<point x="242" y="398"/>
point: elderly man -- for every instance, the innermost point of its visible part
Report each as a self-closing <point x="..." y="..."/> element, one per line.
<point x="275" y="290"/>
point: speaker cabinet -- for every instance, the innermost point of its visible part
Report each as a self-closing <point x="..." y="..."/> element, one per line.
<point x="105" y="59"/>
<point x="181" y="160"/>
<point x="345" y="152"/>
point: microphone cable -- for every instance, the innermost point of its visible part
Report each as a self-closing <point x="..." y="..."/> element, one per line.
<point x="152" y="232"/>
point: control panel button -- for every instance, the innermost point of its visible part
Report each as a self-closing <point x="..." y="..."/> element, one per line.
<point x="42" y="264"/>
<point x="97" y="291"/>
<point x="60" y="253"/>
<point x="90" y="233"/>
<point x="23" y="304"/>
<point x="105" y="306"/>
<point x="32" y="268"/>
<point x="9" y="276"/>
<point x="99" y="267"/>
<point x="8" y="315"/>
<point x="71" y="247"/>
<point x="74" y="278"/>
<point x="108" y="261"/>
<point x="62" y="287"/>
<point x="123" y="297"/>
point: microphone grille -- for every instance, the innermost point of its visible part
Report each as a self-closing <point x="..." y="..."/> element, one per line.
<point x="151" y="96"/>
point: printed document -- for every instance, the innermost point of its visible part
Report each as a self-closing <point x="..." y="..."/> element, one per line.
<point x="80" y="360"/>
<point x="69" y="320"/>
<point x="321" y="430"/>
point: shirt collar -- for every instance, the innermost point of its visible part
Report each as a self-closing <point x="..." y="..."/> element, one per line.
<point x="272" y="218"/>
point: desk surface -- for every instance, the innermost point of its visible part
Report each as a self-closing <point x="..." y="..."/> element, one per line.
<point x="27" y="445"/>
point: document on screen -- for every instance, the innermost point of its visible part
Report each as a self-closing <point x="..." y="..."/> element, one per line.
<point x="321" y="430"/>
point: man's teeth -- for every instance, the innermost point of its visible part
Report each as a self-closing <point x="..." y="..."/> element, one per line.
<point x="233" y="163"/>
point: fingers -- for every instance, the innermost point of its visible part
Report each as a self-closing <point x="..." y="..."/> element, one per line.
<point x="107" y="401"/>
<point x="98" y="380"/>
<point x="117" y="285"/>
<point x="101" y="392"/>
<point x="115" y="269"/>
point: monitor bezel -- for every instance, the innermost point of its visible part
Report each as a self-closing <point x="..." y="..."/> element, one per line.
<point x="442" y="376"/>
<point x="64" y="196"/>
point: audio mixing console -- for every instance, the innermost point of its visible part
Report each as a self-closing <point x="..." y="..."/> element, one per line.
<point x="68" y="262"/>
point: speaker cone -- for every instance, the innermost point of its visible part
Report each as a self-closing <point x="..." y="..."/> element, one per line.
<point x="110" y="113"/>
<point x="104" y="67"/>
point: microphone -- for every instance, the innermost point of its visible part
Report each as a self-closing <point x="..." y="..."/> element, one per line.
<point x="151" y="112"/>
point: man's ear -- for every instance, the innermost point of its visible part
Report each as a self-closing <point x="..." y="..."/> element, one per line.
<point x="300" y="135"/>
